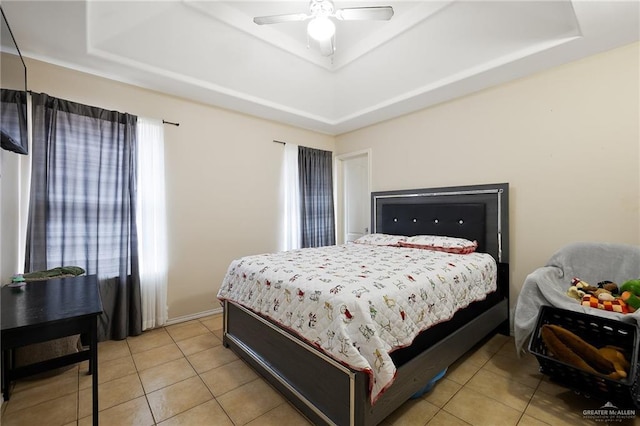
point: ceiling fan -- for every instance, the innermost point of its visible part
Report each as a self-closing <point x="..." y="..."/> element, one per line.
<point x="321" y="28"/>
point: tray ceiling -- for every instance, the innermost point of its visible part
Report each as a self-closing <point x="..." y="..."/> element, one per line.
<point x="212" y="52"/>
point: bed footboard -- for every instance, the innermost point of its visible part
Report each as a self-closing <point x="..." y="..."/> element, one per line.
<point x="320" y="387"/>
<point x="326" y="391"/>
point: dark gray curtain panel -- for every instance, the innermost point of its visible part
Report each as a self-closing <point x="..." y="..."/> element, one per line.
<point x="82" y="205"/>
<point x="317" y="221"/>
<point x="13" y="121"/>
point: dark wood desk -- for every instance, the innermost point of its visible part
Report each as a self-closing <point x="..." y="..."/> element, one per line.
<point x="46" y="310"/>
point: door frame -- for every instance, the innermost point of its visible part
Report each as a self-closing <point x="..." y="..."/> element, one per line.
<point x="339" y="200"/>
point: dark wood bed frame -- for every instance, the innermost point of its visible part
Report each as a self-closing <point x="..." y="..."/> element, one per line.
<point x="328" y="392"/>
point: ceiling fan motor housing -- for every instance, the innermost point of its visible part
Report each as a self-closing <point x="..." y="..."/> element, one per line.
<point x="321" y="7"/>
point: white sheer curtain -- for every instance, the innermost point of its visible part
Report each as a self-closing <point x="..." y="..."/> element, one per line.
<point x="151" y="223"/>
<point x="25" y="192"/>
<point x="291" y="203"/>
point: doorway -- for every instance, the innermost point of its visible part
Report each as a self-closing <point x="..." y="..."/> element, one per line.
<point x="354" y="195"/>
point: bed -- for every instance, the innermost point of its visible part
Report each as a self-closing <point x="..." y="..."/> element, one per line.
<point x="320" y="383"/>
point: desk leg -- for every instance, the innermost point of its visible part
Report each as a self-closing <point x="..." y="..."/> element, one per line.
<point x="93" y="367"/>
<point x="5" y="367"/>
<point x="8" y="359"/>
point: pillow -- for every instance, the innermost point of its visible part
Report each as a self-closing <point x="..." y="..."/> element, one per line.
<point x="438" y="243"/>
<point x="381" y="239"/>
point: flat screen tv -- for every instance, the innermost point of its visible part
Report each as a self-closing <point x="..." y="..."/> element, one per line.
<point x="13" y="92"/>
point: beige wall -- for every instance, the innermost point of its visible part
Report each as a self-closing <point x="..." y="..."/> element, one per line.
<point x="223" y="178"/>
<point x="566" y="140"/>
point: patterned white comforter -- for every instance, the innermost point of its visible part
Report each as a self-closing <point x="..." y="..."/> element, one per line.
<point x="359" y="302"/>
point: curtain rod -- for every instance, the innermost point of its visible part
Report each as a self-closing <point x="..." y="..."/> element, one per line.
<point x="163" y="121"/>
<point x="283" y="143"/>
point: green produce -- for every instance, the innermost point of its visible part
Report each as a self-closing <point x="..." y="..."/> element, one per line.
<point x="632" y="285"/>
<point x="631" y="300"/>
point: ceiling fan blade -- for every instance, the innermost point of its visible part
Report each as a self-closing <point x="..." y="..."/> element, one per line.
<point x="380" y="13"/>
<point x="276" y="19"/>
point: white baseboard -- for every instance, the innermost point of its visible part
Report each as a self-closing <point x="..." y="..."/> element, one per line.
<point x="190" y="317"/>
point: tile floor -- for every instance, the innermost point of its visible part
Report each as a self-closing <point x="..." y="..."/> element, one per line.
<point x="182" y="375"/>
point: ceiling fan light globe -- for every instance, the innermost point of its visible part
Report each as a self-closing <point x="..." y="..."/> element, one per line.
<point x="321" y="28"/>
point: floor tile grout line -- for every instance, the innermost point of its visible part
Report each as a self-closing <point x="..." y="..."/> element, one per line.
<point x="156" y="365"/>
<point x="30" y="407"/>
<point x="213" y="397"/>
<point x="146" y="394"/>
<point x="465" y="385"/>
<point x="452" y="396"/>
<point x="78" y="389"/>
<point x="18" y="410"/>
<point x="153" y="416"/>
<point x="453" y="415"/>
<point x="205" y="371"/>
<point x="206" y="387"/>
<point x="185" y="357"/>
<point x="531" y="399"/>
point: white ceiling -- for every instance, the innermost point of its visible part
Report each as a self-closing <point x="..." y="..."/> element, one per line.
<point x="212" y="52"/>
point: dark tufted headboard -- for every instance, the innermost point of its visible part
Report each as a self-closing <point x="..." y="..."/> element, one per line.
<point x="478" y="212"/>
<point x="460" y="220"/>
